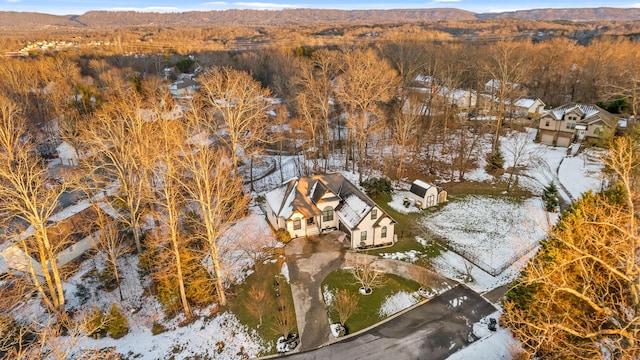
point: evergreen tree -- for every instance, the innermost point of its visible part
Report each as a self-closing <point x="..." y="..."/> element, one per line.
<point x="550" y="197"/>
<point x="118" y="325"/>
<point x="495" y="161"/>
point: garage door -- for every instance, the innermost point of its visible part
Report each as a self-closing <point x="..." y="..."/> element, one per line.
<point x="547" y="139"/>
<point x="563" y="141"/>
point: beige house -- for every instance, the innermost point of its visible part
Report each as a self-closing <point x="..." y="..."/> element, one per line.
<point x="322" y="203"/>
<point x="427" y="195"/>
<point x="531" y="108"/>
<point x="574" y="123"/>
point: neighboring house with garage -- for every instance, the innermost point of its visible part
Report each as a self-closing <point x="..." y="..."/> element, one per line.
<point x="322" y="203"/>
<point x="426" y="195"/>
<point x="573" y="122"/>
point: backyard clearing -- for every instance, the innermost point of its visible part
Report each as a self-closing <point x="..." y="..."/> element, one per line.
<point x="491" y="232"/>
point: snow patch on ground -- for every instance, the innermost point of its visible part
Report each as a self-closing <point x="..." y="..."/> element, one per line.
<point x="284" y="270"/>
<point x="491" y="345"/>
<point x="397" y="203"/>
<point x="327" y="295"/>
<point x="398" y="302"/>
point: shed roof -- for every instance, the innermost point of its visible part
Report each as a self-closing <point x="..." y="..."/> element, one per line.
<point x="420" y="188"/>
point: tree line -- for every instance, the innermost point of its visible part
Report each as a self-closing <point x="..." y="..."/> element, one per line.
<point x="168" y="171"/>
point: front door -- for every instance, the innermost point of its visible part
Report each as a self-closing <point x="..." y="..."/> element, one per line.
<point x="581" y="134"/>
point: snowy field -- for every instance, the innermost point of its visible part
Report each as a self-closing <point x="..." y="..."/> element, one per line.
<point x="490" y="231"/>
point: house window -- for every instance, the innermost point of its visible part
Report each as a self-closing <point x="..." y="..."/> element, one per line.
<point x="597" y="131"/>
<point x="374" y="214"/>
<point x="547" y="123"/>
<point x="363" y="236"/>
<point x="383" y="232"/>
<point x="327" y="214"/>
<point x="297" y="224"/>
<point x="571" y="126"/>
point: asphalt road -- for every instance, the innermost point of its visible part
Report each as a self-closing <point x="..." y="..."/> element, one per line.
<point x="431" y="331"/>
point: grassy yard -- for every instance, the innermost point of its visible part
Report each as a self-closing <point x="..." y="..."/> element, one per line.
<point x="247" y="302"/>
<point x="496" y="188"/>
<point x="366" y="313"/>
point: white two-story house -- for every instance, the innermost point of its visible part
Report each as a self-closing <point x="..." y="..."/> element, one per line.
<point x="321" y="203"/>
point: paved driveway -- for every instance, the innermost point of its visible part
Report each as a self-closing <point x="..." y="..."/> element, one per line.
<point x="433" y="330"/>
<point x="311" y="259"/>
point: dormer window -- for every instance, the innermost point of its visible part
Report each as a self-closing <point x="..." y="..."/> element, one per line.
<point x="374" y="214"/>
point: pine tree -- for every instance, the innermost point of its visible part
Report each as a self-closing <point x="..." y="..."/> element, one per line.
<point x="495" y="161"/>
<point x="550" y="197"/>
<point x="118" y="325"/>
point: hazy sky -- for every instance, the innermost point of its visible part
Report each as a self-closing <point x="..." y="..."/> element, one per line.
<point x="81" y="6"/>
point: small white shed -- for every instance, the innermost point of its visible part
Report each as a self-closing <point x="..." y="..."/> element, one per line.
<point x="427" y="195"/>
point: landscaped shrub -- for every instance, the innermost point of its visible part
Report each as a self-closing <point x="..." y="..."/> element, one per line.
<point x="377" y="186"/>
<point x="283" y="235"/>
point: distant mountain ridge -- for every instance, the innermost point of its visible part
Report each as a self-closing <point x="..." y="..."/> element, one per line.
<point x="110" y="19"/>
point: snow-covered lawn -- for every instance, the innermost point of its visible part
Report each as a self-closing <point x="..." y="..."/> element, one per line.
<point x="398" y="302"/>
<point x="397" y="203"/>
<point x="491" y="232"/>
<point x="581" y="173"/>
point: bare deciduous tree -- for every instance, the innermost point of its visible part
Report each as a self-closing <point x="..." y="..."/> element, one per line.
<point x="216" y="191"/>
<point x="518" y="148"/>
<point x="110" y="243"/>
<point x="240" y="106"/>
<point x="170" y="200"/>
<point x="29" y="197"/>
<point x="506" y="67"/>
<point x="366" y="82"/>
<point x="258" y="302"/>
<point x="365" y="273"/>
<point x="406" y="122"/>
<point x="123" y="134"/>
<point x="344" y="304"/>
